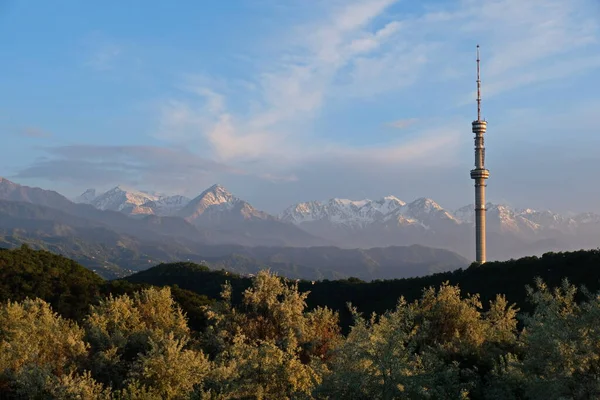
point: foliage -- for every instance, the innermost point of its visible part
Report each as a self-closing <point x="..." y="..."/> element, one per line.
<point x="63" y="283"/>
<point x="508" y="278"/>
<point x="120" y="329"/>
<point x="560" y="345"/>
<point x="263" y="340"/>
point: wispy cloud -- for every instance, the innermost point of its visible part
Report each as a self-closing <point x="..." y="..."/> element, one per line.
<point x="531" y="42"/>
<point x="362" y="49"/>
<point x="351" y="56"/>
<point x="290" y="90"/>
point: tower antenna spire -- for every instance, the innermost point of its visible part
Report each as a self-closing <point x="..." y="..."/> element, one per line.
<point x="478" y="88"/>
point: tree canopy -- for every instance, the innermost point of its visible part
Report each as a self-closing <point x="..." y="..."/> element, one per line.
<point x="137" y="341"/>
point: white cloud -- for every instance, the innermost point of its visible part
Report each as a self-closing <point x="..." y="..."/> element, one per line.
<point x="527" y="42"/>
<point x="292" y="89"/>
<point x="363" y="49"/>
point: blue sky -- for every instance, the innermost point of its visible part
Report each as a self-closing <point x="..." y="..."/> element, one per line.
<point x="296" y="100"/>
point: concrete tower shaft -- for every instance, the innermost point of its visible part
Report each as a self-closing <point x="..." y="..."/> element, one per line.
<point x="479" y="175"/>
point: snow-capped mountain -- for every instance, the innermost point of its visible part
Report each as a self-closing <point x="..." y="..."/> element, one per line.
<point x="353" y="214"/>
<point x="390" y="221"/>
<point x="134" y="202"/>
<point x="428" y="214"/>
<point x="225" y="214"/>
<point x="503" y="218"/>
<point x="216" y="205"/>
<point x="365" y="223"/>
<point x="374" y="223"/>
<point x="362" y="213"/>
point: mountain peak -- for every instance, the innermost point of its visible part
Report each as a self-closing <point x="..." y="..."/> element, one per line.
<point x="5" y="181"/>
<point x="216" y="194"/>
<point x="218" y="188"/>
<point x="136" y="202"/>
<point x="391" y="197"/>
<point x="216" y="204"/>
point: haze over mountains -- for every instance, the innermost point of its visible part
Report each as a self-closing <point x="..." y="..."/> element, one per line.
<point x="216" y="229"/>
<point x="388" y="221"/>
<point x="132" y="229"/>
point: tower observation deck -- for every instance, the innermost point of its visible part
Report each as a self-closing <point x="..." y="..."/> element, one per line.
<point x="479" y="175"/>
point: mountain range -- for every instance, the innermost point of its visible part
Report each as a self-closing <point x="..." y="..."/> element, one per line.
<point x="123" y="229"/>
<point x="366" y="223"/>
<point x="215" y="228"/>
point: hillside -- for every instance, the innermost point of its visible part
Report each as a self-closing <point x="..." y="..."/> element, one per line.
<point x="96" y="245"/>
<point x="71" y="288"/>
<point x="66" y="285"/>
<point x="507" y="277"/>
<point x="318" y="263"/>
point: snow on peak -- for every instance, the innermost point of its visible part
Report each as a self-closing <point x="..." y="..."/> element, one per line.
<point x="353" y="213"/>
<point x="427" y="212"/>
<point x="425" y="204"/>
<point x="388" y="203"/>
<point x="216" y="195"/>
<point x="215" y="202"/>
<point x="132" y="201"/>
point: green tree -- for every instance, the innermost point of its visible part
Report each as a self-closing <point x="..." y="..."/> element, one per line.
<point x="41" y="353"/>
<point x="561" y="342"/>
<point x="140" y="344"/>
<point x="269" y="346"/>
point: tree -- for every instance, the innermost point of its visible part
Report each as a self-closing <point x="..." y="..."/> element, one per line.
<point x="561" y="341"/>
<point x="41" y="352"/>
<point x="269" y="346"/>
<point x="140" y="345"/>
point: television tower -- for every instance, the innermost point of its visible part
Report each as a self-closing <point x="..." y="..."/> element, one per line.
<point x="479" y="174"/>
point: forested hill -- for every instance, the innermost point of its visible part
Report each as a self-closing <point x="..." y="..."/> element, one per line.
<point x="71" y="288"/>
<point x="129" y="340"/>
<point x="508" y="277"/>
<point x="62" y="282"/>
